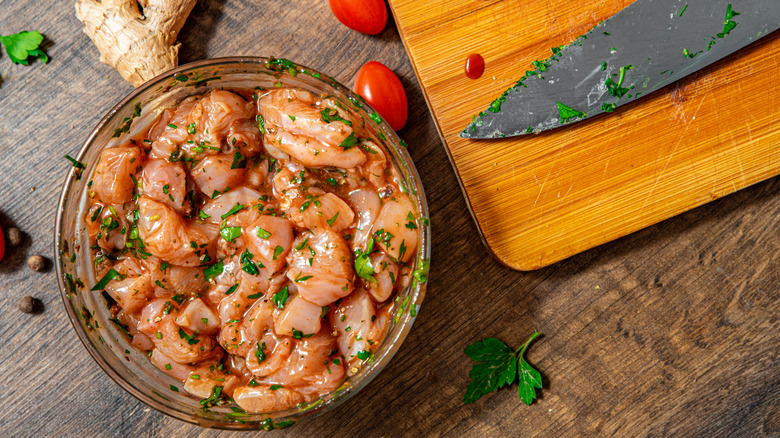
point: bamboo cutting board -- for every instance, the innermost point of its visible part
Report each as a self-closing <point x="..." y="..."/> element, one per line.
<point x="541" y="198"/>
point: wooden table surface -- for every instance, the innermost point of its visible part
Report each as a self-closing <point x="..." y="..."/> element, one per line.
<point x="670" y="331"/>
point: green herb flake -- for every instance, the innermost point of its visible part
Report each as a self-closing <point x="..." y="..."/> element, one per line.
<point x="375" y="117"/>
<point x="568" y="113"/>
<point x="299" y="279"/>
<point x="259" y="353"/>
<point x="263" y="234"/>
<point x="230" y="233"/>
<point x="110" y="275"/>
<point x="77" y="164"/>
<point x="608" y="107"/>
<point x="239" y="162"/>
<point x="190" y="340"/>
<point x="349" y="142"/>
<point x="728" y="23"/>
<point x="236" y="208"/>
<point x="213" y="399"/>
<point x="278" y="251"/>
<point x="261" y="124"/>
<point x="363" y="266"/>
<point x="333" y="219"/>
<point x="331" y="115"/>
<point x="214" y="270"/>
<point x="231" y="289"/>
<point x="280" y="298"/>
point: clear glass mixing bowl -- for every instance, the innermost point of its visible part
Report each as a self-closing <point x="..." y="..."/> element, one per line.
<point x="88" y="313"/>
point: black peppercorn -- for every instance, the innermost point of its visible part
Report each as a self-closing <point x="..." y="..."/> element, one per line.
<point x="28" y="304"/>
<point x="36" y="263"/>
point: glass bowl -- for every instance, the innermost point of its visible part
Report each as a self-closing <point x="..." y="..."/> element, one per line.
<point x="88" y="312"/>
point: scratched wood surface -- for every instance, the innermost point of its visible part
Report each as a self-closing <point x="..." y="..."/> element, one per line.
<point x="538" y="199"/>
<point x="670" y="331"/>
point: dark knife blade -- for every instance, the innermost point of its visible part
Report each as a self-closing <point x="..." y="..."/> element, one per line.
<point x="642" y="48"/>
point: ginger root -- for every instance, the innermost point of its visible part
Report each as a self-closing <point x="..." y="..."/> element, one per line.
<point x="139" y="43"/>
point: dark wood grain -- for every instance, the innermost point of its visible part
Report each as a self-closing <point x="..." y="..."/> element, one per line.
<point x="670" y="331"/>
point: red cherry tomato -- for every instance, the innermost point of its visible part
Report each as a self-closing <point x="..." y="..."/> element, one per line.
<point x="366" y="16"/>
<point x="2" y="244"/>
<point x="384" y="92"/>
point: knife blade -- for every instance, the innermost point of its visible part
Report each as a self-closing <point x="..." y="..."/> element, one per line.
<point x="644" y="47"/>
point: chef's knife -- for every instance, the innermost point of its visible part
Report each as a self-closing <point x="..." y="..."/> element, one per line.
<point x="642" y="48"/>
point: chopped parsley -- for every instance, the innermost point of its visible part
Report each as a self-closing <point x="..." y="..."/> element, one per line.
<point x="263" y="234"/>
<point x="239" y="162"/>
<point x="299" y="279"/>
<point x="232" y="289"/>
<point x="213" y="399"/>
<point x="247" y="264"/>
<point x="349" y="142"/>
<point x="110" y="275"/>
<point x="259" y="354"/>
<point x="213" y="270"/>
<point x="261" y="124"/>
<point x="190" y="340"/>
<point x="411" y="224"/>
<point x="333" y="219"/>
<point x="230" y="233"/>
<point x="332" y="115"/>
<point x="236" y="208"/>
<point x="280" y="298"/>
<point x="568" y="113"/>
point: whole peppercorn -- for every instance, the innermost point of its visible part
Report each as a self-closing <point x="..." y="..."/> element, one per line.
<point x="36" y="263"/>
<point x="14" y="236"/>
<point x="27" y="304"/>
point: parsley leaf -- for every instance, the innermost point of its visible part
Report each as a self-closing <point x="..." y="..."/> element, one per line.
<point x="20" y="46"/>
<point x="498" y="367"/>
<point x="363" y="266"/>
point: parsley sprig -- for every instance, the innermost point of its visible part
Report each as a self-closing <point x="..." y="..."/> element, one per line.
<point x="499" y="366"/>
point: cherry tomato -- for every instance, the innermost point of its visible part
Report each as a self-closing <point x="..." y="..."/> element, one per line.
<point x="366" y="16"/>
<point x="2" y="244"/>
<point x="384" y="92"/>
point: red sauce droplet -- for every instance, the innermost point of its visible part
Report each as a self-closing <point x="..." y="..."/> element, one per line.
<point x="475" y="66"/>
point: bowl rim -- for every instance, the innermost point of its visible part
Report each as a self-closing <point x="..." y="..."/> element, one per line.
<point x="418" y="288"/>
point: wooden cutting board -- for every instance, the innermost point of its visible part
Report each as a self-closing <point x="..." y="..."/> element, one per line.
<point x="541" y="198"/>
